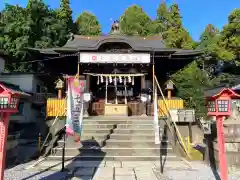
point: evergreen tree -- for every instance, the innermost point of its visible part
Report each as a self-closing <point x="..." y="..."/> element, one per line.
<point x="230" y="38"/>
<point x="176" y="36"/>
<point x="191" y="83"/>
<point x="87" y="24"/>
<point x="209" y="40"/>
<point x="65" y="13"/>
<point x="163" y="19"/>
<point x="136" y="22"/>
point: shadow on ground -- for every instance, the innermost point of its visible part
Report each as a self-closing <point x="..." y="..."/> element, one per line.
<point x="27" y="145"/>
<point x="80" y="166"/>
<point x="163" y="148"/>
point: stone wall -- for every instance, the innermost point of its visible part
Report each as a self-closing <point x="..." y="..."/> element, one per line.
<point x="11" y="149"/>
<point x="232" y="144"/>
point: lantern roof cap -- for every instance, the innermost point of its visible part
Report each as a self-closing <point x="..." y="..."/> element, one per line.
<point x="214" y="93"/>
<point x="13" y="89"/>
<point x="170" y="81"/>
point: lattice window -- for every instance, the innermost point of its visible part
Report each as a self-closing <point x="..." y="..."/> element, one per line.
<point x="211" y="106"/>
<point x="223" y="105"/>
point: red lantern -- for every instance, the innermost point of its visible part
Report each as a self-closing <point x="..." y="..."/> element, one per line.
<point x="219" y="105"/>
<point x="9" y="100"/>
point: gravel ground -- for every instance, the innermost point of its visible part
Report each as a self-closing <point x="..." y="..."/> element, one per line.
<point x="19" y="173"/>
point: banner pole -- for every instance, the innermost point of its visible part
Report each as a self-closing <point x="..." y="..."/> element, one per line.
<point x="63" y="149"/>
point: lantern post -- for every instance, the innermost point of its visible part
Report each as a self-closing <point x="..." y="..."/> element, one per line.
<point x="169" y="88"/>
<point x="59" y="86"/>
<point x="219" y="105"/>
<point x="9" y="101"/>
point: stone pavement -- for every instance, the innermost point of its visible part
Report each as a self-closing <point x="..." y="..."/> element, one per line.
<point x="116" y="170"/>
<point x="109" y="170"/>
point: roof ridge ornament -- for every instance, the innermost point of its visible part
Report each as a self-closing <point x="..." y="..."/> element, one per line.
<point x="115" y="29"/>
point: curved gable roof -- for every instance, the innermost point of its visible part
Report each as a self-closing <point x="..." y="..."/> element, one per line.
<point x="93" y="43"/>
<point x="148" y="44"/>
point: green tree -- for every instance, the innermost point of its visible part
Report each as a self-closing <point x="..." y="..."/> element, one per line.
<point x="15" y="32"/>
<point x="176" y="36"/>
<point x="163" y="19"/>
<point x="209" y="39"/>
<point x="87" y="24"/>
<point x="65" y="13"/>
<point x="136" y="22"/>
<point x="230" y="37"/>
<point x="191" y="83"/>
<point x="53" y="30"/>
<point x="33" y="26"/>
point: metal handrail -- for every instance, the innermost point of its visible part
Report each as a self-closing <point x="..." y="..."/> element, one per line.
<point x="180" y="139"/>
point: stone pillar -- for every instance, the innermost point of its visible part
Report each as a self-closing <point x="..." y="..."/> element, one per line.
<point x="142" y="82"/>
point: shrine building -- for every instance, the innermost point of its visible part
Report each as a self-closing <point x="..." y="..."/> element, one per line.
<point x="116" y="69"/>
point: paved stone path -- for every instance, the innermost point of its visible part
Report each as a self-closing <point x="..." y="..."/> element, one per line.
<point x="116" y="170"/>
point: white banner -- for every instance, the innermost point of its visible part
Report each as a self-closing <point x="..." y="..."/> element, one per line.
<point x="74" y="107"/>
<point x="136" y="58"/>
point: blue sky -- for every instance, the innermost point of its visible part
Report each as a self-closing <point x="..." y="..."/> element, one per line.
<point x="196" y="13"/>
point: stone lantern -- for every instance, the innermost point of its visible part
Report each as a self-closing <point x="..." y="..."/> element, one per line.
<point x="59" y="86"/>
<point x="169" y="88"/>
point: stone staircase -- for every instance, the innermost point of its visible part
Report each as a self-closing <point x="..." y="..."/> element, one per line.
<point x="117" y="139"/>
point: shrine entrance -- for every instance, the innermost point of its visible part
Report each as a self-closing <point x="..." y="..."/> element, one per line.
<point x="116" y="85"/>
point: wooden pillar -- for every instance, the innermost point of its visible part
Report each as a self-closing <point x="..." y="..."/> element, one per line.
<point x="106" y="93"/>
<point x="153" y="76"/>
<point x="169" y="93"/>
<point x="88" y="81"/>
<point x="142" y="82"/>
<point x="59" y="93"/>
<point x="190" y="132"/>
<point x="125" y="90"/>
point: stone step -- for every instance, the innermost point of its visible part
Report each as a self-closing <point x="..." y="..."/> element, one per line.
<point x="99" y="126"/>
<point x="102" y="136"/>
<point x="128" y="118"/>
<point x="118" y="126"/>
<point x="97" y="131"/>
<point x="118" y="121"/>
<point x="135" y="126"/>
<point x="135" y="131"/>
<point x="88" y="142"/>
<point x="117" y="151"/>
<point x="137" y="142"/>
<point x="87" y="136"/>
<point x="105" y="157"/>
<point x="132" y="136"/>
<point x="120" y="131"/>
<point x="73" y="164"/>
<point x="132" y="143"/>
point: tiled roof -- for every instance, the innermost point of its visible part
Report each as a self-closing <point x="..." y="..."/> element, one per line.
<point x="14" y="88"/>
<point x="87" y="43"/>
